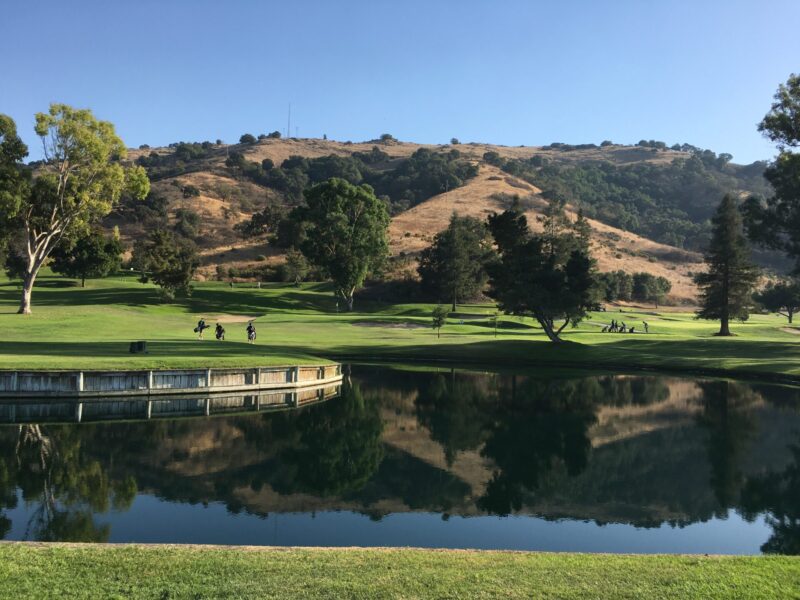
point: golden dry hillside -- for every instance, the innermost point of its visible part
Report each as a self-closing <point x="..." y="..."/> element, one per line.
<point x="225" y="200"/>
<point x="491" y="191"/>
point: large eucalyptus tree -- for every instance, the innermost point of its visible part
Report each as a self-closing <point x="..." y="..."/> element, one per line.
<point x="78" y="182"/>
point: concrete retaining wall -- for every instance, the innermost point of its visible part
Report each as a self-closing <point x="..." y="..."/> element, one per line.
<point x="87" y="384"/>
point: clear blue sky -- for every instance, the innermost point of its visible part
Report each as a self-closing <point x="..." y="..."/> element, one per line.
<point x="507" y="72"/>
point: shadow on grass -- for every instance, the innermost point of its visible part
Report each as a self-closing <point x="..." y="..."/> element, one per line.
<point x="50" y="293"/>
<point x="503" y="325"/>
<point x="624" y="355"/>
<point x="207" y="352"/>
<point x="242" y="299"/>
<point x="53" y="292"/>
<point x="688" y="355"/>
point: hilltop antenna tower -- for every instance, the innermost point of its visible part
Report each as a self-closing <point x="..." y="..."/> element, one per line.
<point x="289" y="122"/>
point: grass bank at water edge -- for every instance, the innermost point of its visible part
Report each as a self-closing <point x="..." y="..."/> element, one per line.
<point x="102" y="571"/>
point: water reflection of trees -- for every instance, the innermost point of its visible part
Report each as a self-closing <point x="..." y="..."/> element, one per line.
<point x="534" y="433"/>
<point x="731" y="425"/>
<point x="337" y="447"/>
<point x="456" y="409"/>
<point x="778" y="494"/>
<point x="541" y="427"/>
<point x="65" y="486"/>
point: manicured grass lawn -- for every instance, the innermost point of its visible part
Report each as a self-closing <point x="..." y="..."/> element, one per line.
<point x="85" y="571"/>
<point x="90" y="329"/>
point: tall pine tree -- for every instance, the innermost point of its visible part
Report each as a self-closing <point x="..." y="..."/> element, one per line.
<point x="727" y="286"/>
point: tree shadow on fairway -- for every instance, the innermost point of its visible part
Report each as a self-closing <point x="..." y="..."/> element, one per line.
<point x="711" y="354"/>
<point x="254" y="301"/>
<point x="504" y="325"/>
<point x="701" y="352"/>
<point x="208" y="300"/>
<point x="50" y="294"/>
<point x="90" y="355"/>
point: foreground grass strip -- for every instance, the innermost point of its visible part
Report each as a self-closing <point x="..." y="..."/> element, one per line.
<point x="97" y="571"/>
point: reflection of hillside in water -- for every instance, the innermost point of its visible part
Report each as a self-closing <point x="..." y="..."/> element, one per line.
<point x="628" y="449"/>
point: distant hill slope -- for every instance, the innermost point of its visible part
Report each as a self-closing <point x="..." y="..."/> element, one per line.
<point x="207" y="189"/>
<point x="492" y="190"/>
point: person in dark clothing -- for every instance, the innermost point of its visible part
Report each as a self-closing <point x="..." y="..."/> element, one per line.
<point x="201" y="327"/>
<point x="646" y="327"/>
<point x="220" y="332"/>
<point x="251" y="333"/>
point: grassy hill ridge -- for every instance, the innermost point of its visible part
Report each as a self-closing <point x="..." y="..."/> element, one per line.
<point x="203" y="190"/>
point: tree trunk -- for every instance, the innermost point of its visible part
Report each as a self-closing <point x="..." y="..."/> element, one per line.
<point x="563" y="325"/>
<point x="724" y="322"/>
<point x="724" y="327"/>
<point x="790" y="315"/>
<point x="348" y="298"/>
<point x="547" y="326"/>
<point x="27" y="290"/>
<point x="83" y="282"/>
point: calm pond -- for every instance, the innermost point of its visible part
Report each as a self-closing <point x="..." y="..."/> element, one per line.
<point x="564" y="461"/>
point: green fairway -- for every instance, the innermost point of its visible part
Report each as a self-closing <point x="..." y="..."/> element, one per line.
<point x="90" y="329"/>
<point x="85" y="571"/>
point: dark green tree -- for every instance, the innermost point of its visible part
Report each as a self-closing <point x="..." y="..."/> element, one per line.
<point x="190" y="191"/>
<point x="167" y="260"/>
<point x="187" y="222"/>
<point x="92" y="255"/>
<point x="616" y="285"/>
<point x="295" y="268"/>
<point x="262" y="223"/>
<point x="454" y="266"/>
<point x="345" y="229"/>
<point x="14" y="177"/>
<point x="782" y="298"/>
<point x="247" y="138"/>
<point x="533" y="277"/>
<point x="555" y="223"/>
<point x="438" y="318"/>
<point x="650" y="288"/>
<point x="775" y="223"/>
<point x="726" y="287"/>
